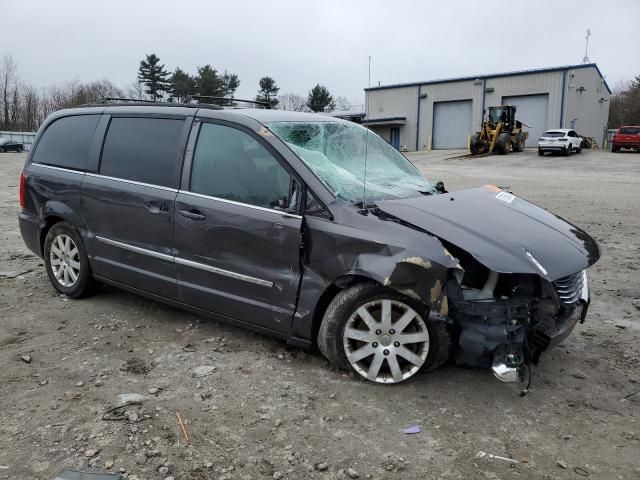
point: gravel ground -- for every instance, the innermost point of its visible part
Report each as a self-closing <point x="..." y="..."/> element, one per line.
<point x="268" y="412"/>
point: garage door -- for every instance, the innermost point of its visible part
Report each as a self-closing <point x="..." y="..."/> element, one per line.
<point x="451" y="124"/>
<point x="532" y="110"/>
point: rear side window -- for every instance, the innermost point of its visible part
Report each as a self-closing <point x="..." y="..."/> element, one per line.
<point x="66" y="142"/>
<point x="143" y="149"/>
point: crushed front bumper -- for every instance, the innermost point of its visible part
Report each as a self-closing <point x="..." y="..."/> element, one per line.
<point x="508" y="334"/>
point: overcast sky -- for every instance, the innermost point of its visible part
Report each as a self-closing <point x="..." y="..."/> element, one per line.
<point x="301" y="43"/>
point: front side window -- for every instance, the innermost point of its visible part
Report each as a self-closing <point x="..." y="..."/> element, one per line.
<point x="143" y="149"/>
<point x="629" y="130"/>
<point x="353" y="162"/>
<point x="231" y="164"/>
<point x="66" y="142"/>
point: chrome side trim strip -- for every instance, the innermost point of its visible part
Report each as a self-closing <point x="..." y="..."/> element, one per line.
<point x="132" y="182"/>
<point x="183" y="261"/>
<point x="220" y="271"/>
<point x="240" y="204"/>
<point x="58" y="168"/>
<point x="132" y="248"/>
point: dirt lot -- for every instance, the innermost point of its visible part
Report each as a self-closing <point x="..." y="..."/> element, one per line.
<point x="266" y="412"/>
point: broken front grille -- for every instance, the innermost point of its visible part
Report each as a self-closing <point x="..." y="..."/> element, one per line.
<point x="569" y="288"/>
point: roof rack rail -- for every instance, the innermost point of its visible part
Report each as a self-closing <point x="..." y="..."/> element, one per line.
<point x="229" y="101"/>
<point x="139" y="101"/>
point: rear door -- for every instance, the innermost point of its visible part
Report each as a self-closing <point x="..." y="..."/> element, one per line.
<point x="128" y="204"/>
<point x="237" y="228"/>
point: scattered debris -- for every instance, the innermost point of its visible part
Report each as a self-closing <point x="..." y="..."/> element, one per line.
<point x="74" y="475"/>
<point x="204" y="370"/>
<point x="130" y="399"/>
<point x="26" y="358"/>
<point x="137" y="366"/>
<point x="352" y="473"/>
<point x="14" y="274"/>
<point x="412" y="429"/>
<point x="496" y="457"/>
<point x="562" y="464"/>
<point x="581" y="471"/>
<point x="266" y="467"/>
<point x="321" y="467"/>
<point x="153" y="391"/>
<point x="91" y="452"/>
<point x="183" y="428"/>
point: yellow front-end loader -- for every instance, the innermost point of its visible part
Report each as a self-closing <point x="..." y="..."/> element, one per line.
<point x="500" y="132"/>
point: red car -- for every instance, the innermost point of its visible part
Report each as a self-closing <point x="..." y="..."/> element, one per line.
<point x="626" y="137"/>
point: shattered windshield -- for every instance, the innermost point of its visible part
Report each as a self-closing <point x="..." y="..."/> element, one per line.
<point x="337" y="152"/>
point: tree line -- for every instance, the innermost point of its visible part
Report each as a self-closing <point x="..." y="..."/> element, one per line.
<point x="624" y="108"/>
<point x="24" y="107"/>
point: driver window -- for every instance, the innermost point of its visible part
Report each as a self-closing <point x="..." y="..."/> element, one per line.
<point x="230" y="164"/>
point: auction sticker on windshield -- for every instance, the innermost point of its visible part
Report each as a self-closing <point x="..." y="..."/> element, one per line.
<point x="505" y="197"/>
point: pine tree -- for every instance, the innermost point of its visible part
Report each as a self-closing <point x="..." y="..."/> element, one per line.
<point x="181" y="85"/>
<point x="230" y="84"/>
<point x="268" y="91"/>
<point x="320" y="100"/>
<point x="153" y="76"/>
<point x="209" y="83"/>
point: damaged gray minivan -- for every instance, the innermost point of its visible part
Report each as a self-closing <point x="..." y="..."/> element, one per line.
<point x="306" y="227"/>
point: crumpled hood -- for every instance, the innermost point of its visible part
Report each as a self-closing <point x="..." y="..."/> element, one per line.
<point x="503" y="232"/>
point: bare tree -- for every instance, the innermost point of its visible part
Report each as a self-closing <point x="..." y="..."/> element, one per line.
<point x="8" y="79"/>
<point x="293" y="102"/>
<point x="135" y="90"/>
<point x="343" y="104"/>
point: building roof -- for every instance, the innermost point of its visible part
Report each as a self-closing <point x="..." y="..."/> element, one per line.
<point x="493" y="75"/>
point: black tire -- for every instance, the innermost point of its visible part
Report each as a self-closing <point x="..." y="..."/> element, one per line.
<point x="568" y="150"/>
<point x="519" y="145"/>
<point x="579" y="150"/>
<point x="2" y="150"/>
<point x="540" y="153"/>
<point x="503" y="144"/>
<point x="85" y="283"/>
<point x="19" y="149"/>
<point x="330" y="335"/>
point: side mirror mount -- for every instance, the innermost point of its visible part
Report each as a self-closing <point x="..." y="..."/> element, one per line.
<point x="440" y="187"/>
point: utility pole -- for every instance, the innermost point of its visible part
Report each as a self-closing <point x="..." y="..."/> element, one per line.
<point x="369" y="70"/>
<point x="586" y="47"/>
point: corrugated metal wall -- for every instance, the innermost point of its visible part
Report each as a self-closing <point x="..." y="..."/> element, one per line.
<point x="591" y="115"/>
<point x="585" y="106"/>
<point x="397" y="102"/>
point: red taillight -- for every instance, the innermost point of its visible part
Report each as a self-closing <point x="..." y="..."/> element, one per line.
<point x="22" y="180"/>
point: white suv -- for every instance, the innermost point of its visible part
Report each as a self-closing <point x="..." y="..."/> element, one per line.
<point x="562" y="140"/>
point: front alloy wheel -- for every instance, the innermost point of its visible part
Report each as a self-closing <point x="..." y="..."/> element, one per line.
<point x="386" y="341"/>
<point x="381" y="334"/>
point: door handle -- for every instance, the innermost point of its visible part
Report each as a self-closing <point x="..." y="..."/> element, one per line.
<point x="156" y="207"/>
<point x="192" y="214"/>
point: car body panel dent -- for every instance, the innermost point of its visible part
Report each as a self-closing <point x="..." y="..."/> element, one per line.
<point x="355" y="245"/>
<point x="505" y="236"/>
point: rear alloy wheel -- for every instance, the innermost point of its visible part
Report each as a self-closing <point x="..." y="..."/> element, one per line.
<point x="568" y="150"/>
<point x="66" y="261"/>
<point x="382" y="335"/>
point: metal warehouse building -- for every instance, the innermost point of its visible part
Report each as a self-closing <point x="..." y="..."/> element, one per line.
<point x="440" y="114"/>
